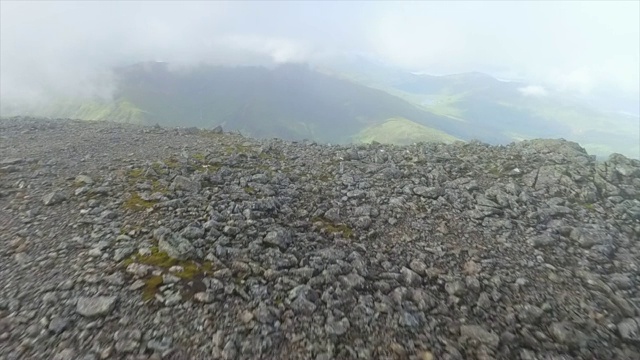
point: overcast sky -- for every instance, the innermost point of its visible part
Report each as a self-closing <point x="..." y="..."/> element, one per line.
<point x="64" y="47"/>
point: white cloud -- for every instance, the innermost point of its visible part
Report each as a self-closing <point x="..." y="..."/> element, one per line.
<point x="57" y="47"/>
<point x="533" y="90"/>
<point x="280" y="50"/>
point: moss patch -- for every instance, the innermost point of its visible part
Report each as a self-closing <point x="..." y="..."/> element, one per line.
<point x="494" y="170"/>
<point x="136" y="203"/>
<point x="232" y="149"/>
<point x="192" y="271"/>
<point x="136" y="174"/>
<point x="210" y="134"/>
<point x="151" y="287"/>
<point x="200" y="157"/>
<point x="172" y="163"/>
<point x="328" y="226"/>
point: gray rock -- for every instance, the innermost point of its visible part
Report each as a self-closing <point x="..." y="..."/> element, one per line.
<point x="356" y="194"/>
<point x="127" y="341"/>
<point x="409" y="277"/>
<point x="123" y="252"/>
<point x="217" y="130"/>
<point x="542" y="241"/>
<point x="230" y="351"/>
<point x="621" y="281"/>
<point x="529" y="314"/>
<point x="337" y="328"/>
<point x="161" y="346"/>
<point x="456" y="288"/>
<point x="64" y="354"/>
<point x="192" y="232"/>
<point x="565" y="333"/>
<point x="303" y="306"/>
<point x="185" y="184"/>
<point x="479" y="334"/>
<point x="174" y="245"/>
<point x="629" y="330"/>
<point x="418" y="266"/>
<point x="353" y="280"/>
<point x="57" y="325"/>
<point x="53" y="198"/>
<point x="204" y="297"/>
<point x="84" y="179"/>
<point x="587" y="238"/>
<point x="333" y="215"/>
<point x="428" y="192"/>
<point x="96" y="306"/>
<point x="409" y="320"/>
<point x="279" y="238"/>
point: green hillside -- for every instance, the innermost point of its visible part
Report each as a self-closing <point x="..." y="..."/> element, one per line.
<point x="499" y="111"/>
<point x="289" y="102"/>
<point x="402" y="132"/>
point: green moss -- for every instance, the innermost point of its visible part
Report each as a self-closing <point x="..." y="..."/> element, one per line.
<point x="191" y="271"/>
<point x="210" y="134"/>
<point x="157" y="186"/>
<point x="158" y="258"/>
<point x="200" y="157"/>
<point x="249" y="190"/>
<point x="151" y="287"/>
<point x="494" y="170"/>
<point x="324" y="178"/>
<point x="136" y="173"/>
<point x="136" y="203"/>
<point x="232" y="149"/>
<point x="158" y="168"/>
<point x="328" y="226"/>
<point x="172" y="163"/>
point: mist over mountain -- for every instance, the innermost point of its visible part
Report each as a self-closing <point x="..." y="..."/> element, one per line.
<point x="348" y="102"/>
<point x="287" y="101"/>
<point x="512" y="110"/>
<point x="334" y="72"/>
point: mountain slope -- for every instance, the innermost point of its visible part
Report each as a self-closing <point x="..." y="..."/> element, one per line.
<point x="290" y="101"/>
<point x="507" y="110"/>
<point x="402" y="132"/>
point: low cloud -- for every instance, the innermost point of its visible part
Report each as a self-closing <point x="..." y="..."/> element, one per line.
<point x="533" y="90"/>
<point x="66" y="48"/>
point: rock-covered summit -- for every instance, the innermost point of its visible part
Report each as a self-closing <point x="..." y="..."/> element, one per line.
<point x="118" y="241"/>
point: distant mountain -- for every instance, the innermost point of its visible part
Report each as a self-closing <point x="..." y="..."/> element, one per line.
<point x="402" y="132"/>
<point x="506" y="110"/>
<point x="355" y="100"/>
<point x="288" y="101"/>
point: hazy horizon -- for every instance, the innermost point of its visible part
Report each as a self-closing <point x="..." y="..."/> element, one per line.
<point x="66" y="48"/>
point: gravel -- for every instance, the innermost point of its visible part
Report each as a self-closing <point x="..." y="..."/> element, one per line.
<point x="121" y="241"/>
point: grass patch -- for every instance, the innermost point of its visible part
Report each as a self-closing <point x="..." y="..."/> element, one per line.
<point x="158" y="168"/>
<point x="172" y="163"/>
<point x="159" y="259"/>
<point x="200" y="157"/>
<point x="136" y="173"/>
<point x="402" y="132"/>
<point x="494" y="170"/>
<point x="231" y="149"/>
<point x="328" y="226"/>
<point x="208" y="134"/>
<point x="151" y="287"/>
<point x="136" y="203"/>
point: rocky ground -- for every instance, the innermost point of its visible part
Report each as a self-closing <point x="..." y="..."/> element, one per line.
<point x="125" y="242"/>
